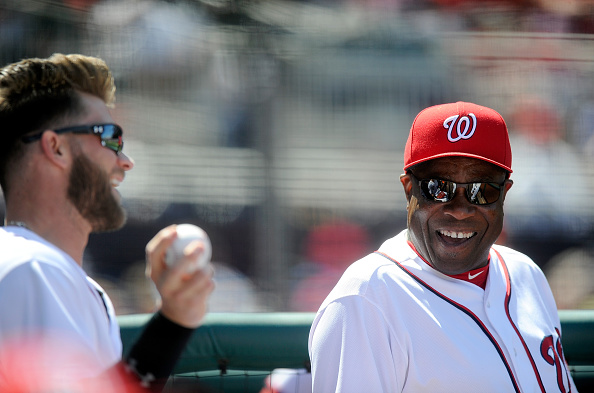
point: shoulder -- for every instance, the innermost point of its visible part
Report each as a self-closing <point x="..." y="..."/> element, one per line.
<point x="363" y="275"/>
<point x="515" y="260"/>
<point x="22" y="244"/>
<point x="523" y="271"/>
<point x="372" y="275"/>
<point x="512" y="255"/>
<point x="25" y="254"/>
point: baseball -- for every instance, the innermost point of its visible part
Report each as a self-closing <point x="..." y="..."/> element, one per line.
<point x="187" y="233"/>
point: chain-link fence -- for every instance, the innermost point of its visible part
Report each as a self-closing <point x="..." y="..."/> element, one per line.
<point x="279" y="127"/>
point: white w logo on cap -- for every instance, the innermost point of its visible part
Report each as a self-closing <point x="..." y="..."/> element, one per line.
<point x="462" y="133"/>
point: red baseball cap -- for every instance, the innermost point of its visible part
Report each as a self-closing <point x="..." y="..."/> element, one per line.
<point x="458" y="129"/>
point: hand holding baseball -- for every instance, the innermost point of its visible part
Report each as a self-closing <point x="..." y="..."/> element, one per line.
<point x="184" y="288"/>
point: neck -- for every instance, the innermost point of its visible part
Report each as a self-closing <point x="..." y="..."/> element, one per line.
<point x="71" y="236"/>
<point x="475" y="276"/>
<point x="38" y="200"/>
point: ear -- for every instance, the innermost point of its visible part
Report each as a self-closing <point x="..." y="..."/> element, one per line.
<point x="407" y="183"/>
<point x="55" y="148"/>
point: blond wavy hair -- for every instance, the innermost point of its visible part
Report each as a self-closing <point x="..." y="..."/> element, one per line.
<point x="40" y="93"/>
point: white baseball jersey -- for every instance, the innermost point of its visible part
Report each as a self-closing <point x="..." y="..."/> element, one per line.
<point x="395" y="324"/>
<point x="48" y="299"/>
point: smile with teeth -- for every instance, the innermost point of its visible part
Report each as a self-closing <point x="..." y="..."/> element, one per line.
<point x="457" y="235"/>
<point x="115" y="182"/>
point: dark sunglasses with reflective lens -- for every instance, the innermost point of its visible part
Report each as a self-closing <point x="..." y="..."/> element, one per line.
<point x="479" y="193"/>
<point x="110" y="134"/>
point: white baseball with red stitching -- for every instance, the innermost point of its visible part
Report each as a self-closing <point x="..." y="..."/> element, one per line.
<point x="186" y="234"/>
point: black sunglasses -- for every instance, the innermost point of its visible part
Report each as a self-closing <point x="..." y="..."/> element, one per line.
<point x="479" y="193"/>
<point x="110" y="134"/>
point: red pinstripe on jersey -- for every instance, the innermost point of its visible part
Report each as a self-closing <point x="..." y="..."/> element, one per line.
<point x="511" y="321"/>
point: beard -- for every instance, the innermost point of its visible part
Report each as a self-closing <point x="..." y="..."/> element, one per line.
<point x="90" y="192"/>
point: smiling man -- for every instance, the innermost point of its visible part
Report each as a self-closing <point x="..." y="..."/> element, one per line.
<point x="439" y="307"/>
<point x="61" y="161"/>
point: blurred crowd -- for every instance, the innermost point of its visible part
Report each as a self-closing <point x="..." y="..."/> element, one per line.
<point x="240" y="74"/>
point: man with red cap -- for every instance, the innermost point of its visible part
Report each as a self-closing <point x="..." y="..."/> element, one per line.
<point x="440" y="307"/>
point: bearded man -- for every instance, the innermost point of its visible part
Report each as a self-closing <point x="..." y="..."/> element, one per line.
<point x="61" y="161"/>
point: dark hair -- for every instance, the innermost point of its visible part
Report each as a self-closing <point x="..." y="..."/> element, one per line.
<point x="38" y="93"/>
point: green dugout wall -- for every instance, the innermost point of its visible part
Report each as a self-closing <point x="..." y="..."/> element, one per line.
<point x="234" y="352"/>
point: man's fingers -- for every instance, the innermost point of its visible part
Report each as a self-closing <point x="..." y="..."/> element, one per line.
<point x="185" y="297"/>
<point x="184" y="289"/>
<point x="156" y="249"/>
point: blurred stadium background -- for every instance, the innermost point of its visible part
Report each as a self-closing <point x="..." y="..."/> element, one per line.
<point x="279" y="127"/>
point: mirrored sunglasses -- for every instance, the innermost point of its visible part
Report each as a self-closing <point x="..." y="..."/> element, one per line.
<point x="110" y="134"/>
<point x="479" y="193"/>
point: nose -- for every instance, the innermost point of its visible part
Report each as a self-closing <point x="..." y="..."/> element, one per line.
<point x="125" y="162"/>
<point x="459" y="207"/>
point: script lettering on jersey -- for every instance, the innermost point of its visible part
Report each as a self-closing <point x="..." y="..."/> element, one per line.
<point x="463" y="126"/>
<point x="552" y="352"/>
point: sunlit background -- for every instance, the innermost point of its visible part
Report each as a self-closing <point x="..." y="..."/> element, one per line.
<point x="279" y="127"/>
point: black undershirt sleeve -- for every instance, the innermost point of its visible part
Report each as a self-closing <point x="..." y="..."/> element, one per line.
<point x="154" y="355"/>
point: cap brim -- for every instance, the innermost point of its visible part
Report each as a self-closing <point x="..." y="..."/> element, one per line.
<point x="457" y="154"/>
